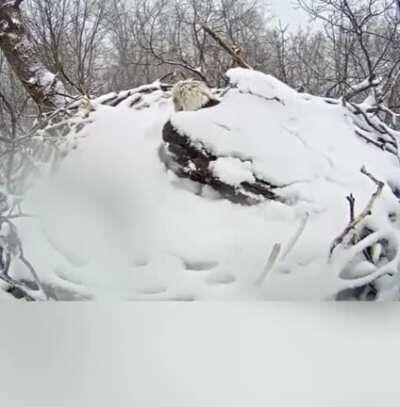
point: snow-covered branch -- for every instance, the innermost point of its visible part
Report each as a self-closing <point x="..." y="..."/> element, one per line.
<point x="356" y="220"/>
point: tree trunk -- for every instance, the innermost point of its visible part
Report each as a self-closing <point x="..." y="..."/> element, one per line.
<point x="42" y="85"/>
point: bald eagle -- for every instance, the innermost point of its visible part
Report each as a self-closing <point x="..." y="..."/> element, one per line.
<point x="192" y="95"/>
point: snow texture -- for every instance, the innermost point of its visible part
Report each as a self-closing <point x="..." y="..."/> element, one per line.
<point x="232" y="170"/>
<point x="113" y="223"/>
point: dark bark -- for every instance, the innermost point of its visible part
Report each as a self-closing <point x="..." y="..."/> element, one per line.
<point x="44" y="87"/>
<point x="187" y="161"/>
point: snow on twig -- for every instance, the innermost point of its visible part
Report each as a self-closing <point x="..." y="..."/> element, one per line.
<point x="366" y="212"/>
<point x="12" y="248"/>
<point x="273" y="257"/>
<point x="296" y="236"/>
<point x="368" y="83"/>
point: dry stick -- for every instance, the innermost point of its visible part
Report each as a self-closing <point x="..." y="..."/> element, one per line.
<point x="29" y="266"/>
<point x="270" y="263"/>
<point x="382" y="129"/>
<point x="296" y="237"/>
<point x="229" y="49"/>
<point x="23" y="259"/>
<point x="187" y="67"/>
<point x="14" y="284"/>
<point x="368" y="140"/>
<point x="167" y="75"/>
<point x="387" y="146"/>
<point x="358" y="111"/>
<point x="367" y="211"/>
<point x="371" y="83"/>
<point x="351" y="200"/>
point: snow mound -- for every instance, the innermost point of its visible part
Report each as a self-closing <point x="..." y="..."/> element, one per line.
<point x="113" y="223"/>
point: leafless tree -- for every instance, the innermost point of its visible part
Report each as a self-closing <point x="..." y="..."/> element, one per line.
<point x="70" y="38"/>
<point x="363" y="44"/>
<point x="15" y="42"/>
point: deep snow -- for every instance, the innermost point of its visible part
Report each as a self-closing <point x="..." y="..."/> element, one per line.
<point x="113" y="223"/>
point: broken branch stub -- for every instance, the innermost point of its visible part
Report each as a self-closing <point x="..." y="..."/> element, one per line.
<point x="366" y="211"/>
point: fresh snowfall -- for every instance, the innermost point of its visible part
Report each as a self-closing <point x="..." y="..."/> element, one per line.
<point x="111" y="217"/>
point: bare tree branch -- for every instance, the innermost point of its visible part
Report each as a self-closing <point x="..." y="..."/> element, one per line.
<point x="234" y="52"/>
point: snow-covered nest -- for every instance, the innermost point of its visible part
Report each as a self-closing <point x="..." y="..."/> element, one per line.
<point x="113" y="223"/>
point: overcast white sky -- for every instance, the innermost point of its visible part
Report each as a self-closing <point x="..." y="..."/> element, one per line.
<point x="288" y="12"/>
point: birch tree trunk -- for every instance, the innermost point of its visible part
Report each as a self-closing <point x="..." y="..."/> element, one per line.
<point x="42" y="85"/>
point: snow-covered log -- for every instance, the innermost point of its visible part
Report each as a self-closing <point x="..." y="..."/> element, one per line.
<point x="43" y="86"/>
<point x="196" y="163"/>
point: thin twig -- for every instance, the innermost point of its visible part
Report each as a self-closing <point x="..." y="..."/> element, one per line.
<point x="366" y="212"/>
<point x="273" y="257"/>
<point x="351" y="200"/>
<point x="13" y="284"/>
<point x="29" y="266"/>
<point x="371" y="82"/>
<point x="167" y="75"/>
<point x="21" y="256"/>
<point x="297" y="235"/>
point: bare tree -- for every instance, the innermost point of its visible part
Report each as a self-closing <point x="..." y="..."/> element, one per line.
<point x="70" y="38"/>
<point x="171" y="36"/>
<point x="43" y="86"/>
<point x="363" y="37"/>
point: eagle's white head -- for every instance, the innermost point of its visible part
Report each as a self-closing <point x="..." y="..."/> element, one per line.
<point x="192" y="95"/>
